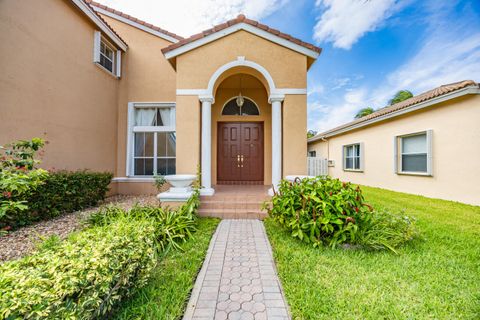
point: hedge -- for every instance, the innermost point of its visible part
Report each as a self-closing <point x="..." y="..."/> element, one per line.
<point x="83" y="277"/>
<point x="61" y="192"/>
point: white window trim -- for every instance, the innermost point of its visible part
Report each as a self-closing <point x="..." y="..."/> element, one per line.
<point x="131" y="129"/>
<point x="117" y="54"/>
<point x="361" y="158"/>
<point x="248" y="115"/>
<point x="398" y="154"/>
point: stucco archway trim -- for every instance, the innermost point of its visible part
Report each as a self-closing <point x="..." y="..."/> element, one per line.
<point x="240" y="62"/>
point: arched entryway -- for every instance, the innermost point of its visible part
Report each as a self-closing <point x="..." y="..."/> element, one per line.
<point x="225" y="84"/>
<point x="241" y="132"/>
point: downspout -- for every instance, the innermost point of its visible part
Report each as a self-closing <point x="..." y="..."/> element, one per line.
<point x="328" y="147"/>
<point x="328" y="154"/>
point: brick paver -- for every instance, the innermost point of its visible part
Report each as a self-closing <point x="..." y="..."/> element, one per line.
<point x="238" y="279"/>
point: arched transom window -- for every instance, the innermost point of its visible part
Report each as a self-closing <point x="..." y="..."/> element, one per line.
<point x="249" y="108"/>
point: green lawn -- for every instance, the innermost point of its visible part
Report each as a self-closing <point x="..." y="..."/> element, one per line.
<point x="437" y="277"/>
<point x="166" y="295"/>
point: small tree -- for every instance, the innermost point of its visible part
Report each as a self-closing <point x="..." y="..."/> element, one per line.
<point x="311" y="133"/>
<point x="364" y="112"/>
<point x="400" y="96"/>
<point x="19" y="175"/>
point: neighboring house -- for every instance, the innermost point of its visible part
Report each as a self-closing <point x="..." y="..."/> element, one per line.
<point x="427" y="145"/>
<point x="111" y="92"/>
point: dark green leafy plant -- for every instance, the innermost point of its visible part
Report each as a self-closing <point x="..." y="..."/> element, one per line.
<point x="327" y="211"/>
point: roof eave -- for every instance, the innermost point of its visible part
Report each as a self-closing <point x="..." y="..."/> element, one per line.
<point x="448" y="96"/>
<point x="237" y="27"/>
<point x="136" y="25"/>
<point x="92" y="15"/>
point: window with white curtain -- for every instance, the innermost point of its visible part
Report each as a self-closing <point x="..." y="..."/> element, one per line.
<point x="414" y="153"/>
<point x="353" y="157"/>
<point x="152" y="140"/>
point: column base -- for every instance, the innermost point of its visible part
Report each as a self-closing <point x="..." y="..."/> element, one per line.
<point x="207" y="192"/>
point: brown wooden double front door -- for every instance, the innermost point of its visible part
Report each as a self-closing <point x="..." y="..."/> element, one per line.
<point x="240" y="153"/>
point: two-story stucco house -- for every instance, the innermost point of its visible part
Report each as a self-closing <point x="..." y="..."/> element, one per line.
<point x="111" y="92"/>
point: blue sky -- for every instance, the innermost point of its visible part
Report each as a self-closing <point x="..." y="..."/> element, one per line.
<point x="371" y="48"/>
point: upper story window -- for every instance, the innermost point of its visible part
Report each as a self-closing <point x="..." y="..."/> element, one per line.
<point x="414" y="153"/>
<point x="353" y="157"/>
<point x="152" y="139"/>
<point x="312" y="154"/>
<point x="106" y="55"/>
<point x="248" y="108"/>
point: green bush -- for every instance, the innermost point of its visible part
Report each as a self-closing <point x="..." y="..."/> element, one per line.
<point x="60" y="192"/>
<point x="18" y="178"/>
<point x="171" y="226"/>
<point x="68" y="191"/>
<point x="327" y="211"/>
<point x="29" y="194"/>
<point x="82" y="277"/>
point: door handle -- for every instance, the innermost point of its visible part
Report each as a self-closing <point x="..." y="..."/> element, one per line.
<point x="238" y="161"/>
<point x="241" y="159"/>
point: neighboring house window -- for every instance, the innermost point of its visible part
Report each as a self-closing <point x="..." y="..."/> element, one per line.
<point x="353" y="157"/>
<point x="106" y="55"/>
<point x="413" y="153"/>
<point x="248" y="108"/>
<point x="312" y="153"/>
<point x="152" y="139"/>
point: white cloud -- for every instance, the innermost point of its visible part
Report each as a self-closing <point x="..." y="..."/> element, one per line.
<point x="186" y="17"/>
<point x="315" y="89"/>
<point x="450" y="52"/>
<point x="340" y="83"/>
<point x="343" y="22"/>
<point x="324" y="117"/>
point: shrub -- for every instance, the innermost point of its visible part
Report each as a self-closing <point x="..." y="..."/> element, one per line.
<point x="28" y="194"/>
<point x="327" y="211"/>
<point x="68" y="191"/>
<point x="171" y="226"/>
<point x="82" y="277"/>
<point x="18" y="178"/>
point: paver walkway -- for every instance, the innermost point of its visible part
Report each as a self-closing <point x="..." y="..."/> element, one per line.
<point x="238" y="279"/>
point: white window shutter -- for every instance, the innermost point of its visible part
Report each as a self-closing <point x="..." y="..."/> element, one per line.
<point x="118" y="63"/>
<point x="344" y="159"/>
<point x="395" y="155"/>
<point x="97" y="39"/>
<point x="362" y="156"/>
<point x="429" y="152"/>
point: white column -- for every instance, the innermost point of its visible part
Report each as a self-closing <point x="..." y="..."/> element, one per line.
<point x="276" y="101"/>
<point x="206" y="166"/>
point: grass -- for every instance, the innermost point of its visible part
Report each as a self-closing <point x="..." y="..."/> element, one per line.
<point x="437" y="277"/>
<point x="166" y="294"/>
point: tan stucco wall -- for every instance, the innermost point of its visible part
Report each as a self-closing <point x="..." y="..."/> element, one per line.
<point x="456" y="150"/>
<point x="287" y="68"/>
<point x="259" y="96"/>
<point x="294" y="135"/>
<point x="148" y="77"/>
<point x="51" y="88"/>
<point x="188" y="134"/>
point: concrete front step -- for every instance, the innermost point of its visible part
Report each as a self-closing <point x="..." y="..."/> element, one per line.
<point x="248" y="205"/>
<point x="232" y="213"/>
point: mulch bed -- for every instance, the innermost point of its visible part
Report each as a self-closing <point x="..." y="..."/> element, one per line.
<point x="23" y="241"/>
